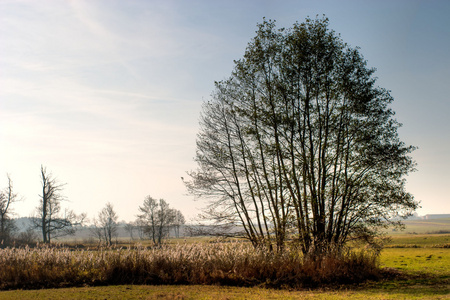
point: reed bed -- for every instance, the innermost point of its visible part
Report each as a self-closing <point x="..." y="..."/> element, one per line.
<point x="236" y="264"/>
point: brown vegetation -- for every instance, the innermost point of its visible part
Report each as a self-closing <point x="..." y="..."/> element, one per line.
<point x="236" y="264"/>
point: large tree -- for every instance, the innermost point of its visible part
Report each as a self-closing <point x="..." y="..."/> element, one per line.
<point x="49" y="218"/>
<point x="299" y="143"/>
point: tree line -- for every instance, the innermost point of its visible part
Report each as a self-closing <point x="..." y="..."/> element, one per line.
<point x="154" y="222"/>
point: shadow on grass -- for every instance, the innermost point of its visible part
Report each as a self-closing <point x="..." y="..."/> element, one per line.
<point x="411" y="285"/>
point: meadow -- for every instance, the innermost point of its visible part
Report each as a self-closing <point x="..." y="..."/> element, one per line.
<point x="416" y="267"/>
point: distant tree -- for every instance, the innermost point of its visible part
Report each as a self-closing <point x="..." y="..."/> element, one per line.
<point x="7" y="226"/>
<point x="130" y="227"/>
<point x="141" y="228"/>
<point x="299" y="143"/>
<point x="178" y="221"/>
<point x="157" y="218"/>
<point x="96" y="231"/>
<point x="165" y="218"/>
<point x="27" y="237"/>
<point x="105" y="227"/>
<point x="148" y="218"/>
<point x="48" y="217"/>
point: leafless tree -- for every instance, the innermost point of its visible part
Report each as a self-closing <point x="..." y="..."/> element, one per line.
<point x="130" y="227"/>
<point x="157" y="218"/>
<point x="165" y="218"/>
<point x="96" y="231"/>
<point x="141" y="228"/>
<point x="148" y="218"/>
<point x="107" y="224"/>
<point x="178" y="221"/>
<point x="49" y="218"/>
<point x="7" y="226"/>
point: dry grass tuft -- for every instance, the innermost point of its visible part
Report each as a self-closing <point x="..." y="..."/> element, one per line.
<point x="236" y="264"/>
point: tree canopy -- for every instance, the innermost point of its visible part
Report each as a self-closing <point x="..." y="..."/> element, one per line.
<point x="299" y="143"/>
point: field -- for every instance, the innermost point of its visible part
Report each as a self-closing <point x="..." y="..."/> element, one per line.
<point x="421" y="261"/>
<point x="432" y="226"/>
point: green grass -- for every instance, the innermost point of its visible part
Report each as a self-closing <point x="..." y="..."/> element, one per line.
<point x="425" y="226"/>
<point x="425" y="266"/>
<point x="420" y="241"/>
<point x="221" y="292"/>
<point x="431" y="261"/>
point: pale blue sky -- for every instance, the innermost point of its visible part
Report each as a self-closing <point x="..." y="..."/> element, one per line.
<point x="107" y="94"/>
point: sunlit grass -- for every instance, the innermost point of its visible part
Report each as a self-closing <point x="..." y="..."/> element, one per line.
<point x="431" y="261"/>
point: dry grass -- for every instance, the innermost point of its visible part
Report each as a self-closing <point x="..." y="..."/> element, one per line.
<point x="235" y="264"/>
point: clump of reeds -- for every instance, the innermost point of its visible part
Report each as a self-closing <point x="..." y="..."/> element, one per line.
<point x="225" y="264"/>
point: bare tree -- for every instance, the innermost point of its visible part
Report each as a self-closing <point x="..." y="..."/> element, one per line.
<point x="130" y="227"/>
<point x="141" y="228"/>
<point x="165" y="219"/>
<point x="178" y="221"/>
<point x="96" y="231"/>
<point x="157" y="218"/>
<point x="107" y="223"/>
<point x="148" y="218"/>
<point x="7" y="226"/>
<point x="49" y="218"/>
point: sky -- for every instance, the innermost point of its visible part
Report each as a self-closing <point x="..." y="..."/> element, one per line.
<point x="106" y="94"/>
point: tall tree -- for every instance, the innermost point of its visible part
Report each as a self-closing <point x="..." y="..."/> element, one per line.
<point x="49" y="218"/>
<point x="7" y="226"/>
<point x="299" y="142"/>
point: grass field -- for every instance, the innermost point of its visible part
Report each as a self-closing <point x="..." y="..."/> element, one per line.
<point x="425" y="226"/>
<point x="422" y="261"/>
<point x="419" y="241"/>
